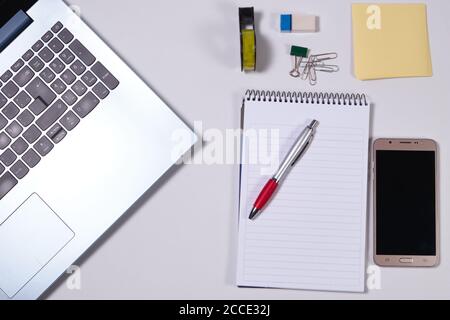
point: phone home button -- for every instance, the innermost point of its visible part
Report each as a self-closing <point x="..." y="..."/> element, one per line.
<point x="406" y="260"/>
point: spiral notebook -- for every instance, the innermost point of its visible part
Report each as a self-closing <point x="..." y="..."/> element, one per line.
<point x="312" y="235"/>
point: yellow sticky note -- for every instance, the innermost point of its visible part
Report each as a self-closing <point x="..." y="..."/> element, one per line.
<point x="391" y="41"/>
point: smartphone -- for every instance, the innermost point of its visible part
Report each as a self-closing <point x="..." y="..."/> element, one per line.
<point x="406" y="212"/>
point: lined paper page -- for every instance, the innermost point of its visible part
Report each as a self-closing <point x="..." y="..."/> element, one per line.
<point x="312" y="234"/>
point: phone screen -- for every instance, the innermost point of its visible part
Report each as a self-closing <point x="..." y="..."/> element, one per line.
<point x="406" y="203"/>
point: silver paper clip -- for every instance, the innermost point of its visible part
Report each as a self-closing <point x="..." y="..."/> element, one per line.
<point x="316" y="63"/>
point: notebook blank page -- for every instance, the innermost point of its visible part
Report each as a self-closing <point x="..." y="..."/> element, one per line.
<point x="312" y="234"/>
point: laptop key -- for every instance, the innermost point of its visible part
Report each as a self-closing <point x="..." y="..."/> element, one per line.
<point x="78" y="67"/>
<point x="47" y="75"/>
<point x="3" y="122"/>
<point x="69" y="121"/>
<point x="86" y="105"/>
<point x="25" y="118"/>
<point x="6" y="76"/>
<point x="66" y="36"/>
<point x="89" y="79"/>
<point x="20" y="170"/>
<point x="69" y="97"/>
<point x="36" y="64"/>
<point x="8" y="157"/>
<point x="10" y="89"/>
<point x="24" y="76"/>
<point x="19" y="146"/>
<point x="4" y="141"/>
<point x="37" y="46"/>
<point x="82" y="53"/>
<point x="2" y="169"/>
<point x="7" y="183"/>
<point x="67" y="56"/>
<point x="52" y="114"/>
<point x="100" y="90"/>
<point x="57" y="66"/>
<point x="14" y="129"/>
<point x="32" y="134"/>
<point x="28" y="55"/>
<point x="37" y="88"/>
<point x="46" y="54"/>
<point x="43" y="146"/>
<point x="79" y="88"/>
<point x="22" y="99"/>
<point x="17" y="65"/>
<point x="68" y="77"/>
<point x="11" y="111"/>
<point x="3" y="100"/>
<point x="47" y="36"/>
<point x="58" y="86"/>
<point x="57" y="133"/>
<point x="56" y="45"/>
<point x="57" y="27"/>
<point x="38" y="106"/>
<point x="108" y="79"/>
<point x="31" y="158"/>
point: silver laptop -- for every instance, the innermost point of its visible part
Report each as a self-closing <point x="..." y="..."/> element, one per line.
<point x="82" y="138"/>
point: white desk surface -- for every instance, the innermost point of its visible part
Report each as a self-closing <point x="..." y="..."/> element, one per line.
<point x="181" y="243"/>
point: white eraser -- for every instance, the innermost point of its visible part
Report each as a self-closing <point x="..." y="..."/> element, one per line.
<point x="303" y="23"/>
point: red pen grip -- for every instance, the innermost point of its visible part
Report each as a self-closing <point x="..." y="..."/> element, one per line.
<point x="266" y="194"/>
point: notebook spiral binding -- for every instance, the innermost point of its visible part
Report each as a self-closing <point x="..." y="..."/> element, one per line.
<point x="345" y="99"/>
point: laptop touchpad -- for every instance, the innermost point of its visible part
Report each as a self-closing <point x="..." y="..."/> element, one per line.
<point x="29" y="239"/>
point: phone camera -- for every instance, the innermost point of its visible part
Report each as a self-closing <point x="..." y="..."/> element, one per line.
<point x="390" y="142"/>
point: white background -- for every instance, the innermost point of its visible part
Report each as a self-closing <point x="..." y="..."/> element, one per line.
<point x="180" y="243"/>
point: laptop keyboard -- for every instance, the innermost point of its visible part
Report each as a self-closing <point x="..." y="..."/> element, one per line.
<point x="43" y="97"/>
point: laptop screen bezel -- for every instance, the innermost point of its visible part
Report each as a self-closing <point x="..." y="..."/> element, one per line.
<point x="9" y="8"/>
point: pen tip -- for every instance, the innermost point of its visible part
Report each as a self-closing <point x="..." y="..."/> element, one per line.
<point x="254" y="213"/>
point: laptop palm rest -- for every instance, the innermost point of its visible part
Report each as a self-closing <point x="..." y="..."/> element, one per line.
<point x="29" y="239"/>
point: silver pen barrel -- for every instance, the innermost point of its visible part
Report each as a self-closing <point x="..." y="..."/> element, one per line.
<point x="297" y="150"/>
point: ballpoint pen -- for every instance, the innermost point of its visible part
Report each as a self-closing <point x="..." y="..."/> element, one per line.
<point x="297" y="151"/>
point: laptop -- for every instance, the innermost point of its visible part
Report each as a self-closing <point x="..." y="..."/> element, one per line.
<point x="82" y="138"/>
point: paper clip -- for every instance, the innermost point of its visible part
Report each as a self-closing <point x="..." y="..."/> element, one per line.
<point x="248" y="39"/>
<point x="298" y="53"/>
<point x="316" y="63"/>
<point x="330" y="68"/>
<point x="307" y="68"/>
<point x="325" y="56"/>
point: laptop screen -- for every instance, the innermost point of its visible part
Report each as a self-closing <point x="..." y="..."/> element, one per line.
<point x="13" y="20"/>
